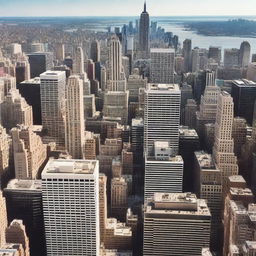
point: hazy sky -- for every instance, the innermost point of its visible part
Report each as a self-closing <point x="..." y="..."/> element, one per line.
<point x="125" y="7"/>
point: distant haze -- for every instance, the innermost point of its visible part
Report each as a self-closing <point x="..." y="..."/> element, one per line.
<point x="125" y="8"/>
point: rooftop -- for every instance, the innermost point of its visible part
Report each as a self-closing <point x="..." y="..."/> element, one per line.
<point x="178" y="204"/>
<point x="244" y="83"/>
<point x="162" y="50"/>
<point x="177" y="159"/>
<point x="108" y="252"/>
<point x="137" y="122"/>
<point x="237" y="206"/>
<point x="251" y="245"/>
<point x="187" y="132"/>
<point x="21" y="185"/>
<point x="35" y="80"/>
<point x="206" y="252"/>
<point x="69" y="166"/>
<point x="241" y="191"/>
<point x="236" y="178"/>
<point x="234" y="249"/>
<point x="120" y="229"/>
<point x="52" y="74"/>
<point x="205" y="160"/>
<point x="163" y="88"/>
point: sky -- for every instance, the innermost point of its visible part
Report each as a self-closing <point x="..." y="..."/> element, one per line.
<point x="126" y="7"/>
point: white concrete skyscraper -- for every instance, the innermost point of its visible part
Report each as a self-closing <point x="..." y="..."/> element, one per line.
<point x="162" y="65"/>
<point x="52" y="93"/>
<point x="71" y="207"/>
<point x="78" y="61"/>
<point x="162" y="116"/>
<point x="223" y="150"/>
<point x="75" y="126"/>
<point x="163" y="172"/>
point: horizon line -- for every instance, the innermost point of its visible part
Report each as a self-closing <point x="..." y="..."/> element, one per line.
<point x="128" y="16"/>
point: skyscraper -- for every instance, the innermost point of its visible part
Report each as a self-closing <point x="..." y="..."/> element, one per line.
<point x="5" y="155"/>
<point x="223" y="150"/>
<point x="116" y="106"/>
<point x="144" y="32"/>
<point x="60" y="52"/>
<point x="95" y="51"/>
<point x="163" y="171"/>
<point x="208" y="108"/>
<point x="30" y="91"/>
<point x="137" y="139"/>
<point x="162" y="65"/>
<point x="75" y="117"/>
<point x="29" y="152"/>
<point x="115" y="76"/>
<point x="208" y="187"/>
<point x="176" y="224"/>
<point x="231" y="57"/>
<point x="162" y="116"/>
<point x="71" y="207"/>
<point x="22" y="69"/>
<point x="215" y="53"/>
<point x="40" y="62"/>
<point x="3" y="220"/>
<point x="15" y="110"/>
<point x="244" y="96"/>
<point x="102" y="204"/>
<point x="78" y="61"/>
<point x="119" y="198"/>
<point x="134" y="83"/>
<point x="187" y="52"/>
<point x="245" y="54"/>
<point x="24" y="202"/>
<point x="53" y="106"/>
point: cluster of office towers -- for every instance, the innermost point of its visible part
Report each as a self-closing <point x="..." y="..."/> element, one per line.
<point x="109" y="160"/>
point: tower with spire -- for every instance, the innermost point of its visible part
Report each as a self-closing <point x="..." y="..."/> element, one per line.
<point x="144" y="32"/>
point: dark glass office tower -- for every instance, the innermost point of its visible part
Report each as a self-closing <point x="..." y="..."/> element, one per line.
<point x="244" y="96"/>
<point x="40" y="62"/>
<point x="24" y="202"/>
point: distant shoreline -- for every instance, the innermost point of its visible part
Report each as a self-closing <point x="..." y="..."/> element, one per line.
<point x="220" y="35"/>
<point x="231" y="28"/>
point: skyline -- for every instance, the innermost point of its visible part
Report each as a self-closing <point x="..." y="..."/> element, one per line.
<point x="83" y="8"/>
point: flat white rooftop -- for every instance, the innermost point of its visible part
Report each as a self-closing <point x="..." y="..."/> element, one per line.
<point x="177" y="204"/>
<point x="52" y="74"/>
<point x="162" y="50"/>
<point x="187" y="132"/>
<point x="70" y="167"/>
<point x="174" y="159"/>
<point x="236" y="178"/>
<point x="163" y="88"/>
<point x="137" y="122"/>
